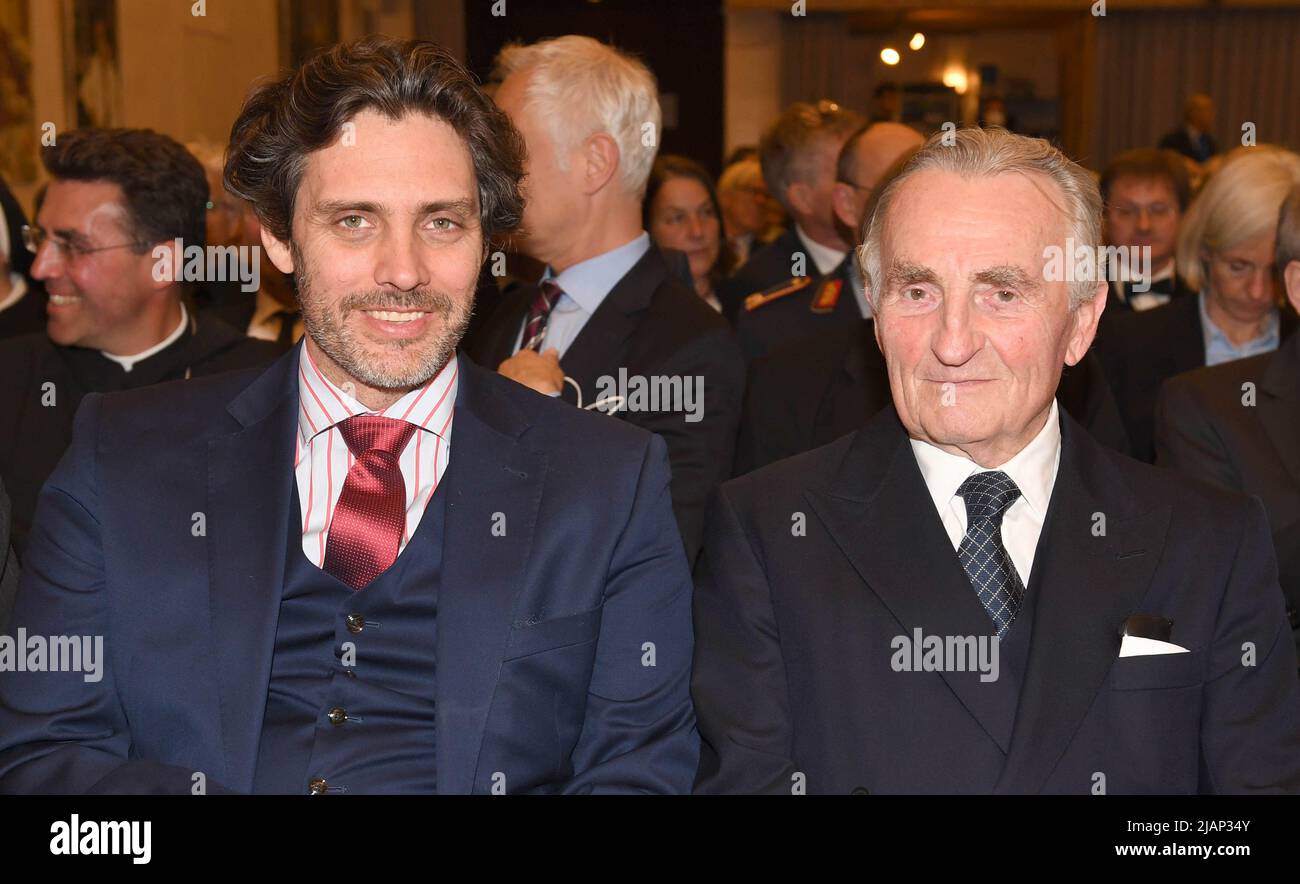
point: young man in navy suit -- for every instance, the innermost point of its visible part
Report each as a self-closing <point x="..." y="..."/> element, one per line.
<point x="301" y="584"/>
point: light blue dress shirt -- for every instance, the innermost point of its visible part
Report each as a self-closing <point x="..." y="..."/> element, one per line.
<point x="1219" y="349"/>
<point x="585" y="285"/>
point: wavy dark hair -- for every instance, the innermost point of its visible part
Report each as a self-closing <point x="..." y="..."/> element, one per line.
<point x="304" y="110"/>
<point x="669" y="166"/>
<point x="163" y="185"/>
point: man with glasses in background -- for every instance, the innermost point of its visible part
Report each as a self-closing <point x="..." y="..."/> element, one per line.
<point x="116" y="196"/>
<point x="1146" y="192"/>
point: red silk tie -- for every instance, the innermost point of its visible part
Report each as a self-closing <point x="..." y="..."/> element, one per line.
<point x="548" y="295"/>
<point x="370" y="516"/>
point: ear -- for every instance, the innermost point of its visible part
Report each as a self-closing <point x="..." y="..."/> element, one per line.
<point x="800" y="197"/>
<point x="277" y="251"/>
<point x="166" y="263"/>
<point x="845" y="205"/>
<point x="600" y="157"/>
<point x="1084" y="319"/>
<point x="1291" y="279"/>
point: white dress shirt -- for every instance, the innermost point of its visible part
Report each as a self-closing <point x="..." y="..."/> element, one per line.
<point x="824" y="258"/>
<point x="322" y="458"/>
<point x="585" y="286"/>
<point x="1145" y="300"/>
<point x="1033" y="470"/>
<point x="128" y="362"/>
<point x="859" y="287"/>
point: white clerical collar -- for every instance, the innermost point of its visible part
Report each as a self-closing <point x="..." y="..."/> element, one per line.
<point x="824" y="257"/>
<point x="1033" y="468"/>
<point x="17" y="288"/>
<point x="128" y="362"/>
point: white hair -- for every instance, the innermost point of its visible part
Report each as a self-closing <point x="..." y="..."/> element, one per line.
<point x="973" y="153"/>
<point x="579" y="87"/>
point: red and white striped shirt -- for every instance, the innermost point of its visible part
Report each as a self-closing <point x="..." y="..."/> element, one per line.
<point x="322" y="459"/>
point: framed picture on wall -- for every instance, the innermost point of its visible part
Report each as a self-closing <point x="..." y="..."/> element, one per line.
<point x="92" y="72"/>
<point x="18" y="135"/>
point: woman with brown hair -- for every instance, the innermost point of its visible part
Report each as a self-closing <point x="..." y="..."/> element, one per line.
<point x="681" y="212"/>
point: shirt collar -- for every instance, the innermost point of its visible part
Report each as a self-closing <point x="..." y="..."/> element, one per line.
<point x="17" y="288"/>
<point x="128" y="362"/>
<point x="588" y="282"/>
<point x="1033" y="468"/>
<point x="1215" y="335"/>
<point x="824" y="258"/>
<point x="322" y="405"/>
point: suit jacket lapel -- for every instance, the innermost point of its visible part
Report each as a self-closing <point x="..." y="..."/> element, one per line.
<point x="250" y="480"/>
<point x="496" y="341"/>
<point x="1189" y="350"/>
<point x="598" y="348"/>
<point x="1279" y="407"/>
<point x="1089" y="584"/>
<point x="879" y="512"/>
<point x="492" y="475"/>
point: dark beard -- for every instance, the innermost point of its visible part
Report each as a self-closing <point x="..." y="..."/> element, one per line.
<point x="362" y="361"/>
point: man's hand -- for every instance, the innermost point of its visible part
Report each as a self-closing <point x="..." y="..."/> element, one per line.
<point x="540" y="371"/>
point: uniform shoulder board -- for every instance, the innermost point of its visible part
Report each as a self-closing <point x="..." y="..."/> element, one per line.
<point x="828" y="295"/>
<point x="780" y="290"/>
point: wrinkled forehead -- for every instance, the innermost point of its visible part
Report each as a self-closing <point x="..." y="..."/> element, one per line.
<point x="939" y="217"/>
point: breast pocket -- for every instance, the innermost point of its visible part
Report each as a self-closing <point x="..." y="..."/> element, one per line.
<point x="1157" y="671"/>
<point x="550" y="635"/>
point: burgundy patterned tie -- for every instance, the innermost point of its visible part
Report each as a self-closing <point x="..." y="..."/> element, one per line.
<point x="548" y="294"/>
<point x="370" y="516"/>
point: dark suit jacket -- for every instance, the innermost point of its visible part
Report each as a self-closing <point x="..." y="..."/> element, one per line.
<point x="797" y="316"/>
<point x="649" y="325"/>
<point x="8" y="564"/>
<point x="1178" y="140"/>
<point x="795" y="631"/>
<point x="39" y="418"/>
<point x="765" y="268"/>
<point x="1119" y="298"/>
<point x="27" y="316"/>
<point x="821" y="388"/>
<point x="1205" y="428"/>
<point x="226" y="300"/>
<point x="1141" y="350"/>
<point x="542" y="632"/>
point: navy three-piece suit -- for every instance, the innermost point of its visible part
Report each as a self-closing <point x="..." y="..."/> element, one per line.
<point x="534" y="635"/>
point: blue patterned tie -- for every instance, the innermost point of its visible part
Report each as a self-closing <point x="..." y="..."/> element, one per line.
<point x="982" y="555"/>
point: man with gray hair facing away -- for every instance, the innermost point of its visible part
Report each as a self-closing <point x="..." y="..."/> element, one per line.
<point x="970" y="595"/>
<point x="608" y="307"/>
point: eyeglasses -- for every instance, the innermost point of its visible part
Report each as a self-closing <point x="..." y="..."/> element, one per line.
<point x="1157" y="211"/>
<point x="34" y="237"/>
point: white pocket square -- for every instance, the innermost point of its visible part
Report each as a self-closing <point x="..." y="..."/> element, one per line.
<point x="1136" y="646"/>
